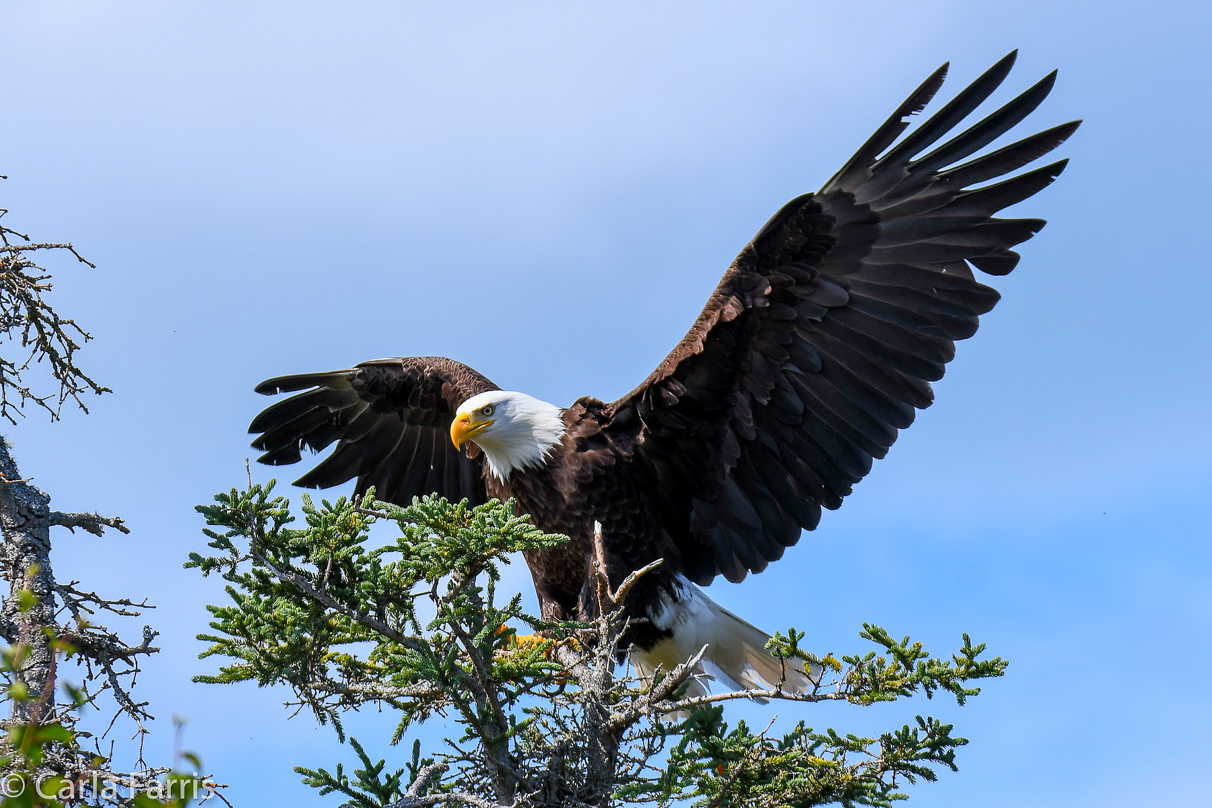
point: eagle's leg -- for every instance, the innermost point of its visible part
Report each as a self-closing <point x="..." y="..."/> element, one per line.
<point x="556" y="604"/>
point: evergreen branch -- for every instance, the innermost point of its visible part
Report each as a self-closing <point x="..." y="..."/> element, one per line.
<point x="545" y="724"/>
<point x="305" y="587"/>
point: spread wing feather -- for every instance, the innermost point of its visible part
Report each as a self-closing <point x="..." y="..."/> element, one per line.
<point x="822" y="339"/>
<point x="390" y="420"/>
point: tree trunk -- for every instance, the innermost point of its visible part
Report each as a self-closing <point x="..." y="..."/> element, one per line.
<point x="24" y="517"/>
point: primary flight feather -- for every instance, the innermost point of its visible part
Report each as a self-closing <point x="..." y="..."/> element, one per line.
<point x="818" y="345"/>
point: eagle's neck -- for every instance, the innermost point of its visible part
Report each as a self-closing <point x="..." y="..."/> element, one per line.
<point x="525" y="434"/>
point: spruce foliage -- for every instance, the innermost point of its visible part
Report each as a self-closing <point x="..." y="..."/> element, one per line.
<point x="417" y="624"/>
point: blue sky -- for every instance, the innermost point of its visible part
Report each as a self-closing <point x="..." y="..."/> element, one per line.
<point x="281" y="187"/>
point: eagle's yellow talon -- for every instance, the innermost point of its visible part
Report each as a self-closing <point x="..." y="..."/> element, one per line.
<point x="528" y="642"/>
<point x="522" y="643"/>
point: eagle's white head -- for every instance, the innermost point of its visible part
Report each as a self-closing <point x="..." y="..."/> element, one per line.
<point x="516" y="431"/>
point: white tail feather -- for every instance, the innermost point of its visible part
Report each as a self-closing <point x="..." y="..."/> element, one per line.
<point x="736" y="654"/>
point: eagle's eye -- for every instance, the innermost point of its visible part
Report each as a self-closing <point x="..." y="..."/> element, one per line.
<point x="486" y="411"/>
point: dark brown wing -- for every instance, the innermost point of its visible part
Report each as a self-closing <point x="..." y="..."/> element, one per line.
<point x="823" y="337"/>
<point x="391" y="418"/>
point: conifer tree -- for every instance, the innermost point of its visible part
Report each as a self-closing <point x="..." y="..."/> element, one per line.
<point x="419" y="625"/>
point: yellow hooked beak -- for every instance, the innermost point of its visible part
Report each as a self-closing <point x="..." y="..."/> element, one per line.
<point x="463" y="429"/>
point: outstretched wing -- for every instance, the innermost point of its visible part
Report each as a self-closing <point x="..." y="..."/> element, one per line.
<point x="823" y="337"/>
<point x="391" y="419"/>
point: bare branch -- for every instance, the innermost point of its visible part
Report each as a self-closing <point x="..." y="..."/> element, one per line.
<point x="769" y="693"/>
<point x="37" y="331"/>
<point x="448" y="798"/>
<point x="91" y="522"/>
<point x="373" y="690"/>
<point x="17" y="249"/>
<point x="632" y="579"/>
<point x="612" y="601"/>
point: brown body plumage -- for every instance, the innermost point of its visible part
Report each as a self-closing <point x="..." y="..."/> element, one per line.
<point x="818" y="345"/>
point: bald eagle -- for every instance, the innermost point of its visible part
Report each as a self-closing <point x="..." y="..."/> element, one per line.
<point x="819" y="343"/>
